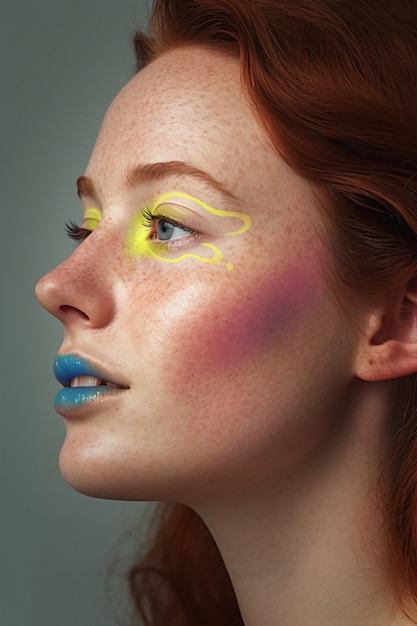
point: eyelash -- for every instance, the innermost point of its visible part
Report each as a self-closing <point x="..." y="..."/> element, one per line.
<point x="149" y="220"/>
<point x="79" y="234"/>
<point x="75" y="232"/>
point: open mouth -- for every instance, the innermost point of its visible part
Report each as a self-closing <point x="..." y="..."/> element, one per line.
<point x="82" y="382"/>
<point x="91" y="381"/>
<point x="73" y="371"/>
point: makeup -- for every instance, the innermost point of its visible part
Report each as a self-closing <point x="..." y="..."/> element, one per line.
<point x="92" y="218"/>
<point x="82" y="382"/>
<point x="142" y="241"/>
<point x="231" y="329"/>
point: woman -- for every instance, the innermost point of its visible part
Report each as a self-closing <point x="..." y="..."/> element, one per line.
<point x="240" y="324"/>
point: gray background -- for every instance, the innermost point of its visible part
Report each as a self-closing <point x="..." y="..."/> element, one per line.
<point x="62" y="62"/>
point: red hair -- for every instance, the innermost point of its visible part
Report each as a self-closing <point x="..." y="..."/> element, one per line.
<point x="334" y="84"/>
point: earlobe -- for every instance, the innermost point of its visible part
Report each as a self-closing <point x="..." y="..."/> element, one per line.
<point x="389" y="344"/>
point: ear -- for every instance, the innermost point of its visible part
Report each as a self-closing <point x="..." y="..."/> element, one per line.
<point x="389" y="347"/>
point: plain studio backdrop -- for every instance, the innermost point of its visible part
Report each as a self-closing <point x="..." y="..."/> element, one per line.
<point x="62" y="62"/>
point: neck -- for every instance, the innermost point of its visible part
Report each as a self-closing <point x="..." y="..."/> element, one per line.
<point x="311" y="545"/>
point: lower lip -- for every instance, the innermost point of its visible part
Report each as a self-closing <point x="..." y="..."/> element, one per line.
<point x="72" y="398"/>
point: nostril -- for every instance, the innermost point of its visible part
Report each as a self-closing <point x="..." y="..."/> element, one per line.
<point x="66" y="308"/>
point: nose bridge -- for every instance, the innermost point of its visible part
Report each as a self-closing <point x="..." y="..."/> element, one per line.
<point x="82" y="286"/>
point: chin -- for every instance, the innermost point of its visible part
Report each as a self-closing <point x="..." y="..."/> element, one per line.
<point x="94" y="472"/>
<point x="88" y="471"/>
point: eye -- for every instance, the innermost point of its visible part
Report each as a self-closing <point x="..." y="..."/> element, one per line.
<point x="165" y="229"/>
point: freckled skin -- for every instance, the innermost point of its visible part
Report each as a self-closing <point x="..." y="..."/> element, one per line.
<point x="234" y="376"/>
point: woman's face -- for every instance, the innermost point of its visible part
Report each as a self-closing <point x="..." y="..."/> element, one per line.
<point x="201" y="294"/>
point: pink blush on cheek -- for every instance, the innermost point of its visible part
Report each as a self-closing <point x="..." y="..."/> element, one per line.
<point x="245" y="322"/>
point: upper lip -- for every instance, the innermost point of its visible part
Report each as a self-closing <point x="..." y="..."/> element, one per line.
<point x="70" y="366"/>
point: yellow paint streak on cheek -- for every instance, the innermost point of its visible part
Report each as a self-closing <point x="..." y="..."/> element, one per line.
<point x="92" y="218"/>
<point x="140" y="244"/>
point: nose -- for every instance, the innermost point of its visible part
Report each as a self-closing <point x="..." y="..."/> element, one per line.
<point x="80" y="290"/>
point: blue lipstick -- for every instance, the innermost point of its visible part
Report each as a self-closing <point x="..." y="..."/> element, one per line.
<point x="92" y="386"/>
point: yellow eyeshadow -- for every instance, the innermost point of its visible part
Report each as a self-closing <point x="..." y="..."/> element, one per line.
<point x="246" y="219"/>
<point x="140" y="244"/>
<point x="92" y="218"/>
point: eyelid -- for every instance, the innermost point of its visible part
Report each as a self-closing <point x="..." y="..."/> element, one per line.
<point x="173" y="215"/>
<point x="91" y="218"/>
<point x="169" y="199"/>
<point x="162" y="217"/>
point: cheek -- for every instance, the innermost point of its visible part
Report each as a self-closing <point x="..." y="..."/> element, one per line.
<point x="211" y="330"/>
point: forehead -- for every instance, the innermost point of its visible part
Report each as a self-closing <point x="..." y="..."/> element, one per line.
<point x="187" y="105"/>
<point x="182" y="90"/>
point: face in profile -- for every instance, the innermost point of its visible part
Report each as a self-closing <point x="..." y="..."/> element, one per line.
<point x="202" y="349"/>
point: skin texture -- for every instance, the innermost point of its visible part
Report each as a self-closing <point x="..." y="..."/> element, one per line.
<point x="242" y="399"/>
<point x="203" y="350"/>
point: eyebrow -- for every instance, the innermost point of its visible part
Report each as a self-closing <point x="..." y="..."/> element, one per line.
<point x="149" y="172"/>
<point x="85" y="187"/>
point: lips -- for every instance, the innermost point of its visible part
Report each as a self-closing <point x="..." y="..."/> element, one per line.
<point x="72" y="370"/>
<point x="83" y="383"/>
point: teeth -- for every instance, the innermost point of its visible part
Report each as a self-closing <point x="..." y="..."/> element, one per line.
<point x="85" y="381"/>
